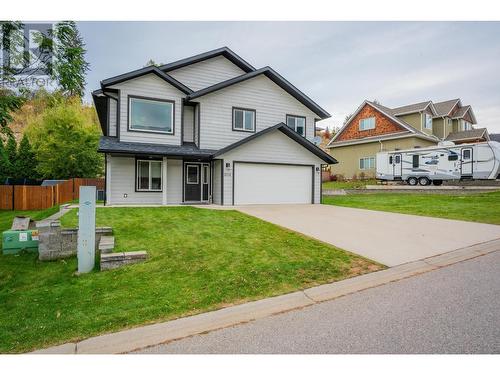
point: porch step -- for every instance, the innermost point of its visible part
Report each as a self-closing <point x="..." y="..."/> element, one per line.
<point x="107" y="244"/>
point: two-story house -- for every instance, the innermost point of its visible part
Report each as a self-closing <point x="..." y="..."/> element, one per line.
<point x="208" y="129"/>
<point x="374" y="127"/>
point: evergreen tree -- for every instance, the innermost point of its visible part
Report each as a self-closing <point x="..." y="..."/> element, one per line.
<point x="4" y="163"/>
<point x="25" y="165"/>
<point x="11" y="151"/>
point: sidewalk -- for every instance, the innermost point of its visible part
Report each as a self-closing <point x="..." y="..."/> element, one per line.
<point x="141" y="337"/>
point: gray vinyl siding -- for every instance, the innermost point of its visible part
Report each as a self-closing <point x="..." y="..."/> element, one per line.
<point x="270" y="102"/>
<point x="196" y="125"/>
<point x="112" y="117"/>
<point x="206" y="73"/>
<point x="274" y="147"/>
<point x="216" y="193"/>
<point x="188" y="126"/>
<point x="174" y="181"/>
<point x="121" y="180"/>
<point x="152" y="87"/>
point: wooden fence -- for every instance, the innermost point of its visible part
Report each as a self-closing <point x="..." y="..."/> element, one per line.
<point x="25" y="197"/>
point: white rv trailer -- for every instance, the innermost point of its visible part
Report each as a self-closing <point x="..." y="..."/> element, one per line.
<point x="446" y="161"/>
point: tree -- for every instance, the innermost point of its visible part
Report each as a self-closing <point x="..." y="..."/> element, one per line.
<point x="151" y="62"/>
<point x="327" y="134"/>
<point x="70" y="67"/>
<point x="9" y="103"/>
<point x="65" y="139"/>
<point x="25" y="165"/>
<point x="11" y="151"/>
<point x="4" y="163"/>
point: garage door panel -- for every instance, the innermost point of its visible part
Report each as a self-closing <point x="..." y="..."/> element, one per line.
<point x="272" y="183"/>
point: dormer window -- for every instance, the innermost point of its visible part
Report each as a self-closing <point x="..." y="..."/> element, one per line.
<point x="297" y="123"/>
<point x="467" y="125"/>
<point x="367" y="123"/>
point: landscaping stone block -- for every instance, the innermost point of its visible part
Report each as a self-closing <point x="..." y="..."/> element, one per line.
<point x="115" y="260"/>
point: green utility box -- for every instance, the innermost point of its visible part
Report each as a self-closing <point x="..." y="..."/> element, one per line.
<point x="13" y="241"/>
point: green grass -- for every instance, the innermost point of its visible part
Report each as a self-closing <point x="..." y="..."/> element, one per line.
<point x="358" y="184"/>
<point x="482" y="208"/>
<point x="6" y="216"/>
<point x="200" y="260"/>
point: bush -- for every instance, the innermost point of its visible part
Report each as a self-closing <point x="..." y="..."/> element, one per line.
<point x="340" y="177"/>
<point x="354" y="177"/>
<point x="362" y="176"/>
<point x="333" y="177"/>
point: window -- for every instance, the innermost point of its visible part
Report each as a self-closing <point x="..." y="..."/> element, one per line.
<point x="367" y="123"/>
<point x="244" y="119"/>
<point x="297" y="123"/>
<point x="150" y="115"/>
<point x="148" y="175"/>
<point x="397" y="159"/>
<point x="416" y="161"/>
<point x="192" y="175"/>
<point x="428" y="121"/>
<point x="467" y="125"/>
<point x="452" y="156"/>
<point x="466" y="154"/>
<point x="367" y="163"/>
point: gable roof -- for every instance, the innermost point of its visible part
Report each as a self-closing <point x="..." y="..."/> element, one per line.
<point x="141" y="72"/>
<point x="444" y="108"/>
<point x="273" y="76"/>
<point x="462" y="111"/>
<point x="468" y="134"/>
<point x="224" y="51"/>
<point x="290" y="133"/>
<point x="413" y="108"/>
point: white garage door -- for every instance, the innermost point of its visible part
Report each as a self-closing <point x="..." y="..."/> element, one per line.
<point x="272" y="183"/>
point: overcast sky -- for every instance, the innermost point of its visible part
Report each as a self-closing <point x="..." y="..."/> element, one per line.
<point x="337" y="64"/>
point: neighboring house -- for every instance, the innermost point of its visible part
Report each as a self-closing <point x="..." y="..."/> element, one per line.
<point x="374" y="127"/>
<point x="209" y="129"/>
<point x="495" y="137"/>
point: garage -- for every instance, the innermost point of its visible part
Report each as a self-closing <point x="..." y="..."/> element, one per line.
<point x="266" y="183"/>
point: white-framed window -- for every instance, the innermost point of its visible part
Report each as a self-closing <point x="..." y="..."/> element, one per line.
<point x="367" y="123"/>
<point x="151" y="115"/>
<point x="149" y="176"/>
<point x="192" y="175"/>
<point x="244" y="119"/>
<point x="467" y="125"/>
<point x="367" y="163"/>
<point x="297" y="123"/>
<point x="428" y="121"/>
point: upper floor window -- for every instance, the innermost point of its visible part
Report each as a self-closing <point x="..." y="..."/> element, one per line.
<point x="428" y="121"/>
<point x="297" y="123"/>
<point x="151" y="115"/>
<point x="244" y="119"/>
<point x="467" y="125"/>
<point x="367" y="123"/>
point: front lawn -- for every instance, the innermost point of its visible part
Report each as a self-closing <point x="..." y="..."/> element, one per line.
<point x="351" y="184"/>
<point x="200" y="260"/>
<point x="482" y="208"/>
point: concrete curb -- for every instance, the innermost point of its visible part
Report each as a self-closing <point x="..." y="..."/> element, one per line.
<point x="155" y="334"/>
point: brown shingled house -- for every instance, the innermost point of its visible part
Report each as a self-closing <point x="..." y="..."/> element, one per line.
<point x="374" y="127"/>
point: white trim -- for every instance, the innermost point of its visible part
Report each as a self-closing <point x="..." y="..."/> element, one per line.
<point x="150" y="177"/>
<point x="365" y="158"/>
<point x="364" y="119"/>
<point x="164" y="199"/>
<point x="130" y="126"/>
<point x="197" y="166"/>
<point x="384" y="137"/>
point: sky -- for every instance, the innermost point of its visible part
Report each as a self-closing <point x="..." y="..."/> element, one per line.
<point x="337" y="64"/>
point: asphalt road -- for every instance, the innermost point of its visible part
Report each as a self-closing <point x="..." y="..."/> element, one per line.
<point x="451" y="310"/>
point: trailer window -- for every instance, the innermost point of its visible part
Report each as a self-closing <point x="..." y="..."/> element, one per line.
<point x="390" y="159"/>
<point x="466" y="154"/>
<point x="453" y="156"/>
<point x="397" y="159"/>
<point x="416" y="162"/>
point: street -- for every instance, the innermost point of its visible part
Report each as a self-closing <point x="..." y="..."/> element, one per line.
<point x="455" y="309"/>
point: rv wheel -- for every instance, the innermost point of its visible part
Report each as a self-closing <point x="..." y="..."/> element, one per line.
<point x="437" y="182"/>
<point x="412" y="181"/>
<point x="424" y="181"/>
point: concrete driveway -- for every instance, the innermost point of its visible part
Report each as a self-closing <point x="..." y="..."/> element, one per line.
<point x="388" y="238"/>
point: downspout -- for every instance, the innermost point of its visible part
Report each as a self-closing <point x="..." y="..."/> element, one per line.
<point x="381" y="145"/>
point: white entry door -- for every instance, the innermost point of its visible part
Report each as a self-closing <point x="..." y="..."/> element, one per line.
<point x="397" y="165"/>
<point x="256" y="183"/>
<point x="466" y="161"/>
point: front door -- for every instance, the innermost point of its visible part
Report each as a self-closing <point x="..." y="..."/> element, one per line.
<point x="466" y="164"/>
<point x="192" y="182"/>
<point x="397" y="165"/>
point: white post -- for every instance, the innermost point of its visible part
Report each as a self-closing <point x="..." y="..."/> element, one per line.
<point x="164" y="179"/>
<point x="86" y="229"/>
<point x="108" y="180"/>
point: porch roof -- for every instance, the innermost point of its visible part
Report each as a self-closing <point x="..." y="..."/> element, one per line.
<point x="113" y="146"/>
